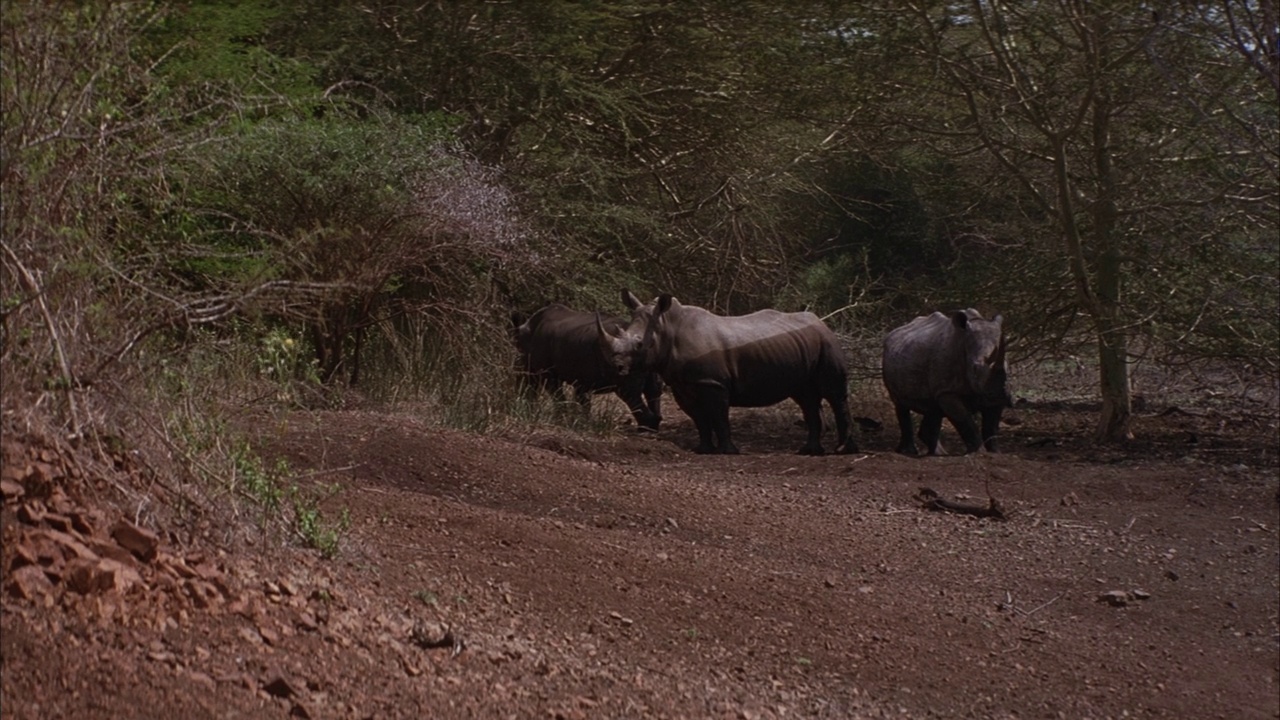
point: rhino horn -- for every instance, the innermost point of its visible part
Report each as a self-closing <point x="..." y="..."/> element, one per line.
<point x="604" y="332"/>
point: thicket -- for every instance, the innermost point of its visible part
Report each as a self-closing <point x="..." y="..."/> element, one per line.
<point x="210" y="203"/>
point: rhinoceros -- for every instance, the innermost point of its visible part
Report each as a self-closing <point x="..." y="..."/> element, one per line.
<point x="947" y="366"/>
<point x="711" y="362"/>
<point x="559" y="346"/>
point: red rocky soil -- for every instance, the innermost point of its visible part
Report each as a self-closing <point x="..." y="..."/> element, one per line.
<point x="560" y="575"/>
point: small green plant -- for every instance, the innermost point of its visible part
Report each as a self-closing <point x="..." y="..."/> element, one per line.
<point x="253" y="478"/>
<point x="283" y="359"/>
<point x="318" y="533"/>
<point x="428" y="598"/>
<point x="309" y="523"/>
<point x="268" y="487"/>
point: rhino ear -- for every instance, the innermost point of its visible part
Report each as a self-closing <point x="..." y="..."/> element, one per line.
<point x="630" y="300"/>
<point x="664" y="302"/>
<point x="517" y="318"/>
<point x="960" y="319"/>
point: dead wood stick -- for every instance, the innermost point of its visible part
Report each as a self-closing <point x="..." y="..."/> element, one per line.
<point x="933" y="501"/>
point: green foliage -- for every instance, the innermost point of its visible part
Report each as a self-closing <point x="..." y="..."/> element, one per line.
<point x="313" y="199"/>
<point x="216" y="48"/>
<point x="271" y="488"/>
<point x="313" y="528"/>
<point x="265" y="485"/>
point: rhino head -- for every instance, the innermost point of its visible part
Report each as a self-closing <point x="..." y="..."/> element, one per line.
<point x="986" y="369"/>
<point x="635" y="348"/>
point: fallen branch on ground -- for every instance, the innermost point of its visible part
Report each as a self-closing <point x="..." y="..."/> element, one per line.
<point x="933" y="501"/>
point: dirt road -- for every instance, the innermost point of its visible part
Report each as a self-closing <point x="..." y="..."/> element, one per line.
<point x="560" y="575"/>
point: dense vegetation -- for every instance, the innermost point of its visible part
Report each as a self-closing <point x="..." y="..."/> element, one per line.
<point x="201" y="198"/>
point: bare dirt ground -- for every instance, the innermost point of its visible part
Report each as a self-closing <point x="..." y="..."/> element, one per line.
<point x="559" y="575"/>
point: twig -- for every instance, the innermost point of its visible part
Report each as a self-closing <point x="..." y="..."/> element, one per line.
<point x="329" y="471"/>
<point x="68" y="380"/>
<point x="933" y="501"/>
<point x="1041" y="606"/>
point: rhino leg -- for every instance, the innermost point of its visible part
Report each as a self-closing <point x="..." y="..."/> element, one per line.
<point x="688" y="401"/>
<point x="931" y="432"/>
<point x="845" y="444"/>
<point x="907" y="445"/>
<point x="631" y="393"/>
<point x="990" y="424"/>
<point x="812" y="409"/>
<point x="720" y="425"/>
<point x="713" y="404"/>
<point x="653" y="397"/>
<point x="709" y="434"/>
<point x="962" y="420"/>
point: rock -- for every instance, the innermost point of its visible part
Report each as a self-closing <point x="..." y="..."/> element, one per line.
<point x="30" y="583"/>
<point x="22" y="554"/>
<point x="270" y="636"/>
<point x="175" y="565"/>
<point x="60" y="503"/>
<point x="110" y="550"/>
<point x="83" y="522"/>
<point x="431" y="634"/>
<point x="59" y="522"/>
<point x="307" y="621"/>
<point x="200" y="593"/>
<point x="42" y="473"/>
<point x="279" y="686"/>
<point x="87" y="576"/>
<point x="11" y="489"/>
<point x="31" y="513"/>
<point x="141" y="542"/>
<point x="204" y="680"/>
<point x="66" y="543"/>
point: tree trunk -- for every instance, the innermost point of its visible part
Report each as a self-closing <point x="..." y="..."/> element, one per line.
<point x="1113" y="337"/>
<point x="1113" y="355"/>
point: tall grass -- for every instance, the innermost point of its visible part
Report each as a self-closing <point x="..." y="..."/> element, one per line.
<point x="463" y="376"/>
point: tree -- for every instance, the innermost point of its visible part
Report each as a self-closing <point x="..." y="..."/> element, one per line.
<point x="662" y="143"/>
<point x="1066" y="101"/>
<point x="375" y="217"/>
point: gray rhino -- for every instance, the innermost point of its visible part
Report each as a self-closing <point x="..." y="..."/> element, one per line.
<point x="712" y="362"/>
<point x="559" y="346"/>
<point x="947" y="366"/>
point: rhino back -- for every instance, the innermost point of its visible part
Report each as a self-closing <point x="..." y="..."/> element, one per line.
<point x="566" y="342"/>
<point x="762" y="358"/>
<point x="924" y="359"/>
